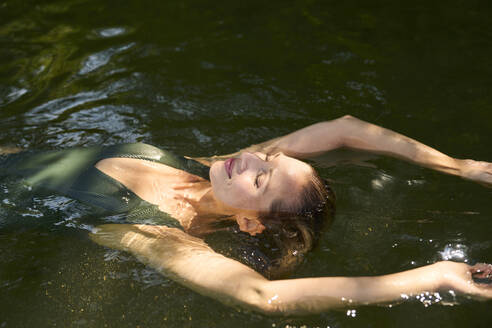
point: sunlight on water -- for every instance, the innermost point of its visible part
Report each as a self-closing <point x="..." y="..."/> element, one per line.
<point x="111" y="32"/>
<point x="12" y="94"/>
<point x="97" y="60"/>
<point x="202" y="79"/>
<point x="457" y="252"/>
<point x="382" y="181"/>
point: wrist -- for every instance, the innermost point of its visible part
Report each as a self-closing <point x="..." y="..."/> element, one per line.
<point x="451" y="274"/>
<point x="477" y="171"/>
<point x="454" y="166"/>
<point x="461" y="166"/>
<point x="440" y="275"/>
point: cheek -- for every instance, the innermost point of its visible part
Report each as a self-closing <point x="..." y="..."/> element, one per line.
<point x="237" y="194"/>
<point x="242" y="185"/>
<point x="240" y="193"/>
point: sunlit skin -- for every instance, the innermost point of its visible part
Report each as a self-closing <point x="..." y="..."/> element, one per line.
<point x="243" y="194"/>
<point x="257" y="180"/>
<point x="245" y="185"/>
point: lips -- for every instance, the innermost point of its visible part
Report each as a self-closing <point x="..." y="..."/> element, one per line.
<point x="229" y="164"/>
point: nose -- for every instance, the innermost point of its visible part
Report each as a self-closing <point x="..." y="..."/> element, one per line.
<point x="249" y="161"/>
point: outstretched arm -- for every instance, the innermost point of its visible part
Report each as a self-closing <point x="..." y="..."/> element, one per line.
<point x="192" y="263"/>
<point x="351" y="132"/>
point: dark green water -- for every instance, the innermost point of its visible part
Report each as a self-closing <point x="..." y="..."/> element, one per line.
<point x="203" y="78"/>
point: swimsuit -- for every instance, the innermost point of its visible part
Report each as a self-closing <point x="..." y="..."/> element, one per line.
<point x="72" y="173"/>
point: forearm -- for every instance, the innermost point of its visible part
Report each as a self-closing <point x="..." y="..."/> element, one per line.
<point x="187" y="260"/>
<point x="353" y="133"/>
<point x="314" y="295"/>
<point x="370" y="137"/>
<point x="192" y="263"/>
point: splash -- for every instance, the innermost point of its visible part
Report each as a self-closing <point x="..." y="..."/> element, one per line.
<point x="456" y="252"/>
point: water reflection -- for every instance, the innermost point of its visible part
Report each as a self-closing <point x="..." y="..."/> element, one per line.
<point x="352" y="313"/>
<point x="53" y="109"/>
<point x="68" y="79"/>
<point x="364" y="88"/>
<point x="456" y="252"/>
<point x="111" y="32"/>
<point x="11" y="94"/>
<point x="99" y="59"/>
<point x="105" y="124"/>
<point x="428" y="299"/>
<point x="381" y="181"/>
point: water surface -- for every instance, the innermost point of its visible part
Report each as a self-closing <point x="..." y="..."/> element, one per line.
<point x="203" y="78"/>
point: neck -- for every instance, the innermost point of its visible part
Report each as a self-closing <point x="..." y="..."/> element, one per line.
<point x="206" y="209"/>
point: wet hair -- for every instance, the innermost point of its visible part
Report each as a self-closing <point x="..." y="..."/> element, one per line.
<point x="292" y="230"/>
<point x="295" y="227"/>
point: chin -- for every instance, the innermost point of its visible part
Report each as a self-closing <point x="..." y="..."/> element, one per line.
<point x="213" y="174"/>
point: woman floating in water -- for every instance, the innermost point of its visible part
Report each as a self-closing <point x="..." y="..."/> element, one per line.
<point x="265" y="190"/>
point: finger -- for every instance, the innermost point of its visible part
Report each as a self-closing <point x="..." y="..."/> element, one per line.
<point x="482" y="273"/>
<point x="481" y="267"/>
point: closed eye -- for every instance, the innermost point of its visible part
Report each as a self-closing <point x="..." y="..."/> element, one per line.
<point x="259" y="179"/>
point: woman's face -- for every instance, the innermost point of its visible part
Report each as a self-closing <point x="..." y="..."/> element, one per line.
<point x="254" y="181"/>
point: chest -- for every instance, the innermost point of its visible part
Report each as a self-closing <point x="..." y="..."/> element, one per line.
<point x="172" y="190"/>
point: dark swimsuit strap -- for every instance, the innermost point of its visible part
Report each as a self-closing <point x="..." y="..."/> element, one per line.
<point x="72" y="173"/>
<point x="154" y="154"/>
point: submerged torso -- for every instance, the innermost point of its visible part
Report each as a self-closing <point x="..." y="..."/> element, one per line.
<point x="140" y="196"/>
<point x="72" y="172"/>
<point x="172" y="190"/>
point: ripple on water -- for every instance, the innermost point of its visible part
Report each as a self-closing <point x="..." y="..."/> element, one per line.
<point x="457" y="252"/>
<point x="110" y="32"/>
<point x="113" y="119"/>
<point x="381" y="181"/>
<point x="11" y="94"/>
<point x="53" y="109"/>
<point x="102" y="124"/>
<point x="202" y="138"/>
<point x="146" y="276"/>
<point x="99" y="59"/>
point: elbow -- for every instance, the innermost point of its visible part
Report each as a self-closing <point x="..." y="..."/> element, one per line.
<point x="262" y="300"/>
<point x="342" y="120"/>
<point x="270" y="301"/>
<point x="348" y="120"/>
<point x="343" y="129"/>
<point x="347" y="117"/>
<point x="267" y="309"/>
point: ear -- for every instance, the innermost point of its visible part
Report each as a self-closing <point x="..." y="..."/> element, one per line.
<point x="250" y="225"/>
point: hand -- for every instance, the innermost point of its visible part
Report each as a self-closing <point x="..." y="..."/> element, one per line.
<point x="474" y="281"/>
<point x="480" y="172"/>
